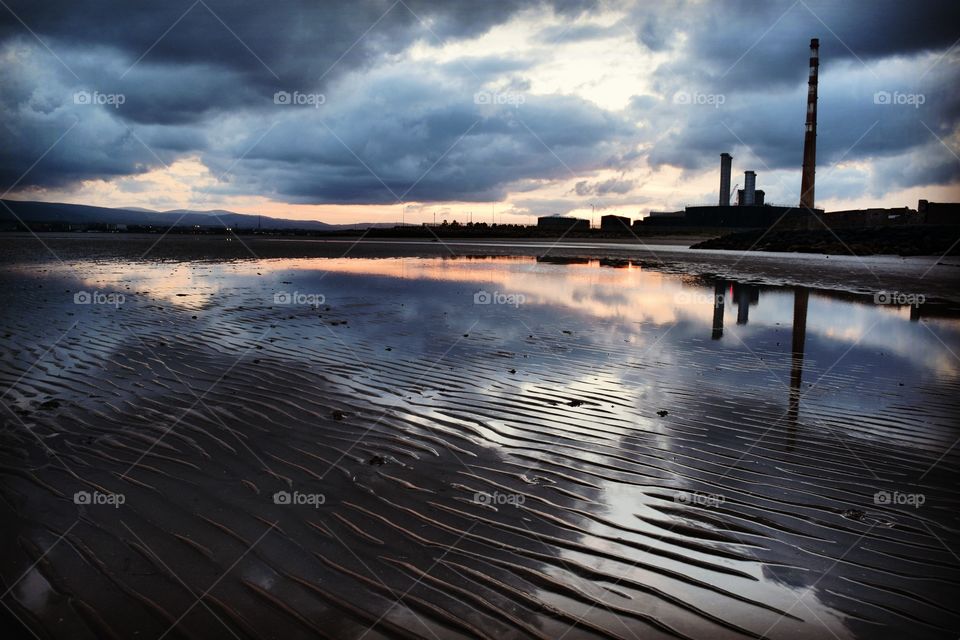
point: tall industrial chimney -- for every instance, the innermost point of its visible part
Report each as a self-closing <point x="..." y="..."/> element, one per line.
<point x="810" y="137"/>
<point x="749" y="188"/>
<point x="725" y="161"/>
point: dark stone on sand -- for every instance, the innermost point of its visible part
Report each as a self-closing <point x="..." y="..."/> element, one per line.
<point x="662" y="413"/>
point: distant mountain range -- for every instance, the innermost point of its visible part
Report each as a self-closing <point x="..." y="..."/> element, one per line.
<point x="63" y="213"/>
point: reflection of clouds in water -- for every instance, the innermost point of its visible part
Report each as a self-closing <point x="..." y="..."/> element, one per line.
<point x="33" y="591"/>
<point x="188" y="286"/>
<point x="627" y="296"/>
<point x="885" y="329"/>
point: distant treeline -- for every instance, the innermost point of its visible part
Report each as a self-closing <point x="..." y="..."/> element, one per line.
<point x="444" y="230"/>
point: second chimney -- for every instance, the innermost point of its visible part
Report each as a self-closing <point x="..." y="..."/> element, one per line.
<point x="749" y="188"/>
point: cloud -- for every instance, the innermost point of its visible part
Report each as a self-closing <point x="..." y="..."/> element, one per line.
<point x="396" y="134"/>
<point x="762" y="45"/>
<point x="613" y="185"/>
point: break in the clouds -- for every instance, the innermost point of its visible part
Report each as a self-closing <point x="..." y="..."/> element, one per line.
<point x="530" y="103"/>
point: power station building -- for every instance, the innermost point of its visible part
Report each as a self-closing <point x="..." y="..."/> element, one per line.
<point x="751" y="210"/>
<point x="615" y="224"/>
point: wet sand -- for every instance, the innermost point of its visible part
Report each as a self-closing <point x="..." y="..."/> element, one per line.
<point x="609" y="453"/>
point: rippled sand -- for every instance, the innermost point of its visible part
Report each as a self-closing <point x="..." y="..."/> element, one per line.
<point x="601" y="455"/>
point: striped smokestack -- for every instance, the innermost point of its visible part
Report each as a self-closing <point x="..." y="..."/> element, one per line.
<point x="810" y="136"/>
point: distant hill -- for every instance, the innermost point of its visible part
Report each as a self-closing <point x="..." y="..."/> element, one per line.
<point x="58" y="212"/>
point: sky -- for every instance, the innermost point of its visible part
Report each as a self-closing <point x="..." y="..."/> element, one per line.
<point x="419" y="110"/>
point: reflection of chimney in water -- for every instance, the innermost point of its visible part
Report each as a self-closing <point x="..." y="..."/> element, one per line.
<point x="743" y="304"/>
<point x="718" y="288"/>
<point x="800" y="299"/>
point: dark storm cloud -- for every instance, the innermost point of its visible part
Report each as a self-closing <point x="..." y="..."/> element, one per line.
<point x="186" y="58"/>
<point x="179" y="66"/>
<point x="747" y="43"/>
<point x="441" y="146"/>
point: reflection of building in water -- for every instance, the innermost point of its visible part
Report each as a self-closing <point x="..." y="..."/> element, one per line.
<point x="745" y="296"/>
<point x="616" y="263"/>
<point x="718" y="290"/>
<point x="799" y="338"/>
<point x="562" y="260"/>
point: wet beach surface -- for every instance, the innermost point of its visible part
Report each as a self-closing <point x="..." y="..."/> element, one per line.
<point x="467" y="441"/>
